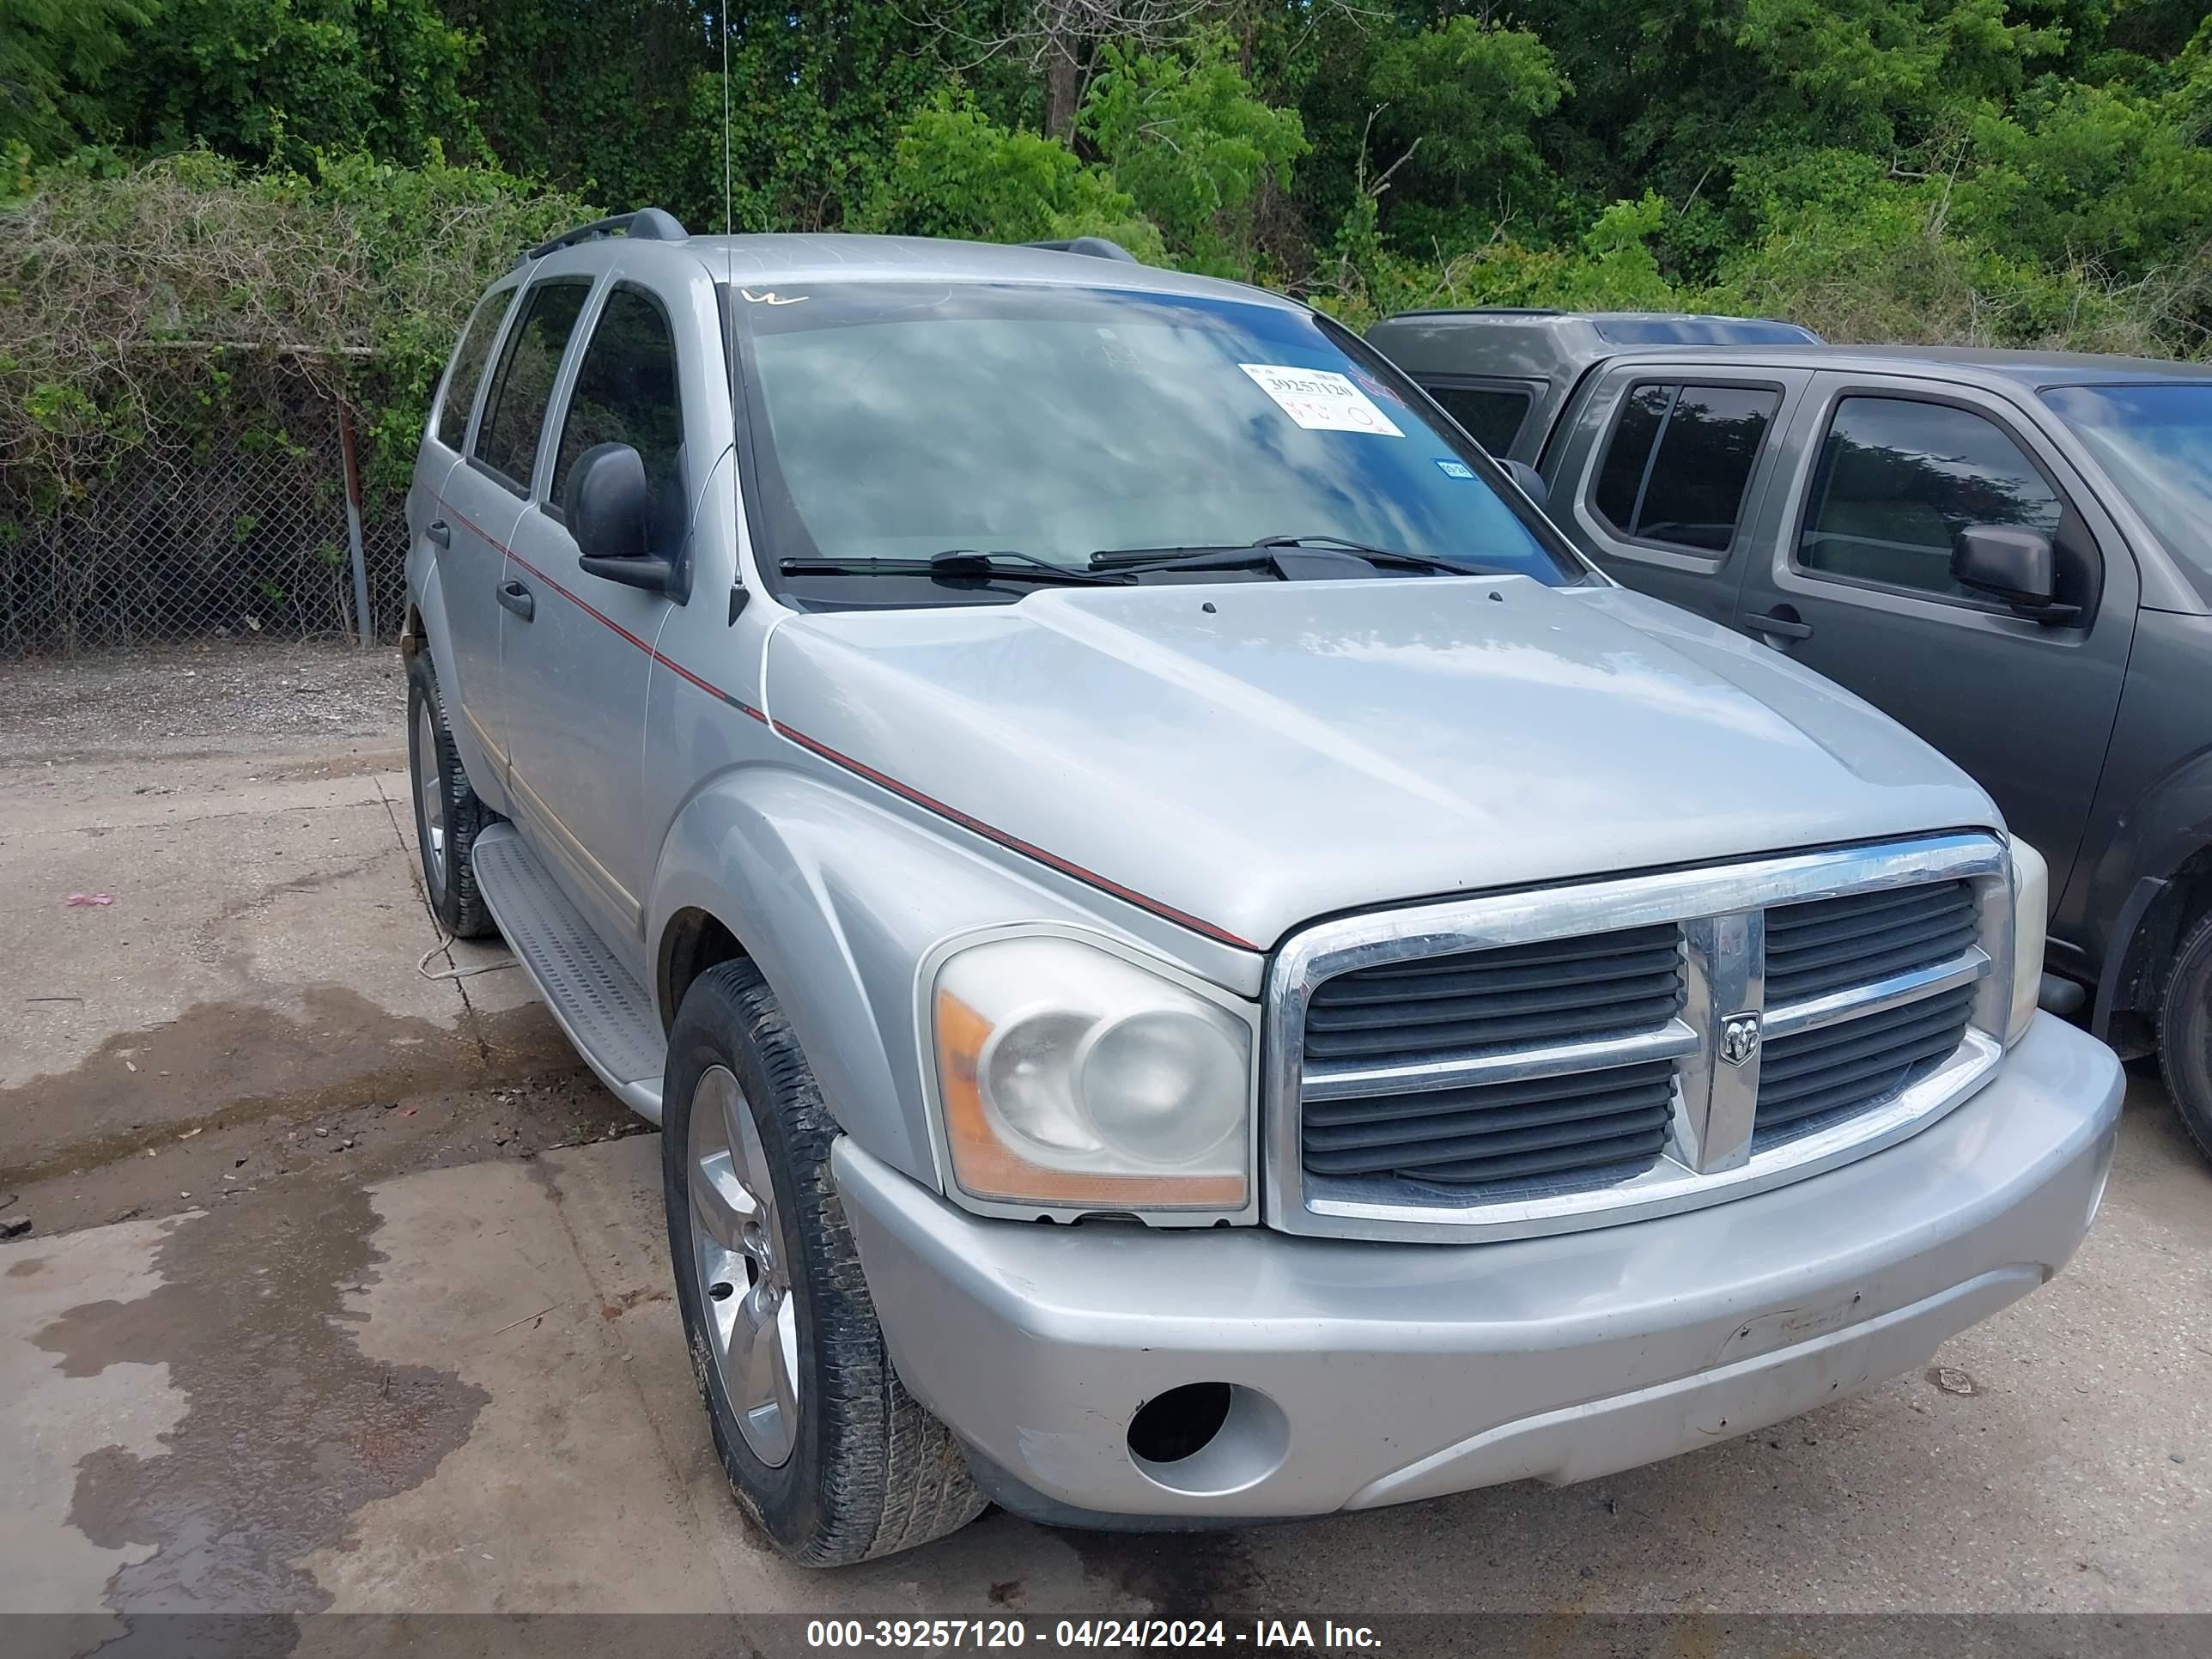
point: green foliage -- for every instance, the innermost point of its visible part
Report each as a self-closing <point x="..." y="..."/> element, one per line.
<point x="1193" y="144"/>
<point x="125" y="281"/>
<point x="2084" y="173"/>
<point x="54" y="57"/>
<point x="1611" y="268"/>
<point x="1463" y="102"/>
<point x="956" y="173"/>
<point x="280" y="81"/>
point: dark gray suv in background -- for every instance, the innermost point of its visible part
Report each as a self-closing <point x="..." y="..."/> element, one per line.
<point x="2010" y="552"/>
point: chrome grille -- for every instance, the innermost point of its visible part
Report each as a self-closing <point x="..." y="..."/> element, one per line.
<point x="1537" y="1061"/>
<point x="1499" y="1131"/>
<point x="1817" y="947"/>
<point x="1819" y="1076"/>
<point x="1605" y="982"/>
<point x="1554" y="990"/>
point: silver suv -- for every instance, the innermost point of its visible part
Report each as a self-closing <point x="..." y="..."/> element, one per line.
<point x="1193" y="960"/>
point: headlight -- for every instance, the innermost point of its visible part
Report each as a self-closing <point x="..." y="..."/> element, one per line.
<point x="1069" y="1075"/>
<point x="2031" y="911"/>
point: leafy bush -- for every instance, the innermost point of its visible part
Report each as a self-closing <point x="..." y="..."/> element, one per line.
<point x="121" y="283"/>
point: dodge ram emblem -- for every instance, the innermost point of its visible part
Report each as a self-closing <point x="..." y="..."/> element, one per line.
<point x="1739" y="1038"/>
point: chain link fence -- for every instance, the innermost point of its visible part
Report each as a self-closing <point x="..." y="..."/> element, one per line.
<point x="222" y="515"/>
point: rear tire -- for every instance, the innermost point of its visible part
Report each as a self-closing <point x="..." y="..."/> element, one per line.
<point x="447" y="814"/>
<point x="2185" y="1033"/>
<point x="831" y="1456"/>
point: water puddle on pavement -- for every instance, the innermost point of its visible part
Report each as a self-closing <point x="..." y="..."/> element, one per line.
<point x="289" y="1427"/>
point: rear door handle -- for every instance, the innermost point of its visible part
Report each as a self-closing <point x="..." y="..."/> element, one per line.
<point x="440" y="532"/>
<point x="1782" y="626"/>
<point x="514" y="597"/>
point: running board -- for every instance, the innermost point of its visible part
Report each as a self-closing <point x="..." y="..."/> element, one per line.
<point x="604" y="1010"/>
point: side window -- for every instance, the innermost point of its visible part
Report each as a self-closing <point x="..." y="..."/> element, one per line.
<point x="477" y="334"/>
<point x="627" y="392"/>
<point x="1679" y="460"/>
<point x="514" y="409"/>
<point x="1490" y="415"/>
<point x="1897" y="479"/>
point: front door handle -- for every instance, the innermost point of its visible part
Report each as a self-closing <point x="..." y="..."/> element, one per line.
<point x="440" y="532"/>
<point x="513" y="596"/>
<point x="1783" y="623"/>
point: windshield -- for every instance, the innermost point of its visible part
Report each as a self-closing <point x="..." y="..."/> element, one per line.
<point x="2157" y="441"/>
<point x="900" y="421"/>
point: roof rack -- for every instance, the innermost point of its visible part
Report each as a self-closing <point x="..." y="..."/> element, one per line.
<point x="646" y="225"/>
<point x="1097" y="246"/>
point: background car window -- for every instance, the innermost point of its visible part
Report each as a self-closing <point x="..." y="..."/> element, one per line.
<point x="1898" y="479"/>
<point x="1680" y="460"/>
<point x="627" y="392"/>
<point x="1490" y="414"/>
<point x="2157" y="441"/>
<point x="453" y="418"/>
<point x="515" y="411"/>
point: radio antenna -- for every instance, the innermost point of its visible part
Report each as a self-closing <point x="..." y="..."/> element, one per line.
<point x="729" y="219"/>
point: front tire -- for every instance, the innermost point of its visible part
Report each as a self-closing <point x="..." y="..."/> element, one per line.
<point x="823" y="1445"/>
<point x="2185" y="1033"/>
<point x="447" y="814"/>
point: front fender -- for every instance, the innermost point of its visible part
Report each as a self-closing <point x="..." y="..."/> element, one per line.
<point x="838" y="899"/>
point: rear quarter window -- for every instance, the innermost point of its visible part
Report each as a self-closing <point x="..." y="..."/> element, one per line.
<point x="514" y="408"/>
<point x="1490" y="415"/>
<point x="451" y="423"/>
<point x="1679" y="461"/>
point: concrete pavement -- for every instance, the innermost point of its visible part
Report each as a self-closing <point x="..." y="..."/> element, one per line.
<point x="253" y="977"/>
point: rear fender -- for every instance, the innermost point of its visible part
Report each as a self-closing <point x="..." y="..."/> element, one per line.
<point x="426" y="597"/>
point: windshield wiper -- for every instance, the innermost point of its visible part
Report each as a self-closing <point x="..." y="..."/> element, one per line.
<point x="1263" y="552"/>
<point x="956" y="562"/>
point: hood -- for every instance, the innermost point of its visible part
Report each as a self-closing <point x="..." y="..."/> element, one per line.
<point x="1253" y="755"/>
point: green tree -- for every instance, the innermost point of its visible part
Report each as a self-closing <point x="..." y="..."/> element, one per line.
<point x="956" y="173"/>
<point x="1462" y="103"/>
<point x="54" y="57"/>
<point x="282" y="80"/>
<point x="1193" y="146"/>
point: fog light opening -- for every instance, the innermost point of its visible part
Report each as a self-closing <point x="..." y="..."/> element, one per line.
<point x="1179" y="1424"/>
<point x="1209" y="1439"/>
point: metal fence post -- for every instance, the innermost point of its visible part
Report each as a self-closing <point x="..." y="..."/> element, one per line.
<point x="364" y="627"/>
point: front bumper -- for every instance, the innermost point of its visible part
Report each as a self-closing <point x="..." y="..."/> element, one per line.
<point x="1365" y="1373"/>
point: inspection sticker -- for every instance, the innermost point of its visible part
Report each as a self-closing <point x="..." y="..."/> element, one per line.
<point x="1321" y="399"/>
<point x="1453" y="469"/>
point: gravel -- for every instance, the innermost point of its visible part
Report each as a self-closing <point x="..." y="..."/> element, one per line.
<point x="213" y="697"/>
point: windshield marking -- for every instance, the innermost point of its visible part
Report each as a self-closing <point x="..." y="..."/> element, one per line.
<point x="1321" y="399"/>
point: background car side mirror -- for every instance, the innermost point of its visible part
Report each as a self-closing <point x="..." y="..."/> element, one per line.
<point x="609" y="506"/>
<point x="2009" y="563"/>
<point x="1531" y="482"/>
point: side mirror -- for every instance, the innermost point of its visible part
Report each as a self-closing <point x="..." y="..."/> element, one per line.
<point x="609" y="504"/>
<point x="1531" y="482"/>
<point x="2012" y="564"/>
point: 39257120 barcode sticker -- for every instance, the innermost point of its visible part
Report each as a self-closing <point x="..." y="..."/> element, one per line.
<point x="1321" y="399"/>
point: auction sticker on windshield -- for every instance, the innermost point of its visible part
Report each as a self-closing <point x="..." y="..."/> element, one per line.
<point x="1320" y="399"/>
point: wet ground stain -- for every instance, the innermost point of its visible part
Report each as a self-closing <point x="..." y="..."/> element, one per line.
<point x="168" y="1171"/>
<point x="1182" y="1574"/>
<point x="288" y="1428"/>
<point x="342" y="1049"/>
